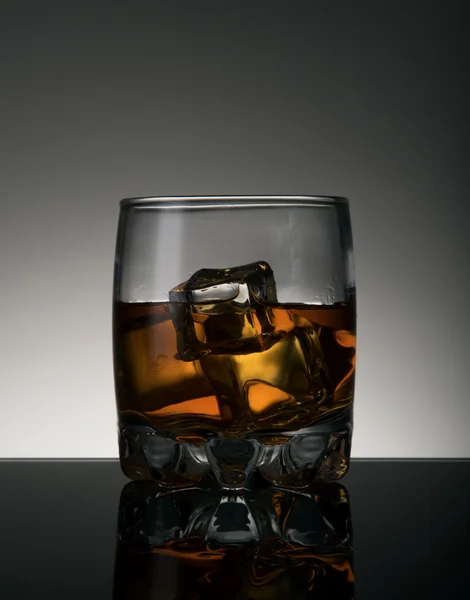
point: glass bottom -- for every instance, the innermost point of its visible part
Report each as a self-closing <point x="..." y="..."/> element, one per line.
<point x="287" y="459"/>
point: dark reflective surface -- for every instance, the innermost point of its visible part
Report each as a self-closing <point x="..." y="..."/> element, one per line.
<point x="199" y="543"/>
<point x="67" y="532"/>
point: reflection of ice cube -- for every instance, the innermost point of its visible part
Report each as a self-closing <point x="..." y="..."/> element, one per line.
<point x="219" y="311"/>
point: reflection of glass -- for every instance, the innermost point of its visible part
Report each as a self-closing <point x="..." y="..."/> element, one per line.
<point x="269" y="544"/>
<point x="234" y="339"/>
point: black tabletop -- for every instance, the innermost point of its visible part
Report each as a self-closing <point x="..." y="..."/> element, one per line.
<point x="60" y="538"/>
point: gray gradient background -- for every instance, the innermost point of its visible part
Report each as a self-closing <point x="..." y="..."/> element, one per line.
<point x="102" y="100"/>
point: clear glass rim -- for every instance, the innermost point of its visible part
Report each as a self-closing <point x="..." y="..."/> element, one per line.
<point x="229" y="201"/>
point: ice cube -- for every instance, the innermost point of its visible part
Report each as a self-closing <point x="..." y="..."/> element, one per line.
<point x="233" y="310"/>
<point x="283" y="386"/>
<point x="219" y="285"/>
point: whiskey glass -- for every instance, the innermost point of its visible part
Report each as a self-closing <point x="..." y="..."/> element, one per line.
<point x="234" y="339"/>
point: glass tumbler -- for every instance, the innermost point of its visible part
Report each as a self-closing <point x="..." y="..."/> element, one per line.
<point x="234" y="337"/>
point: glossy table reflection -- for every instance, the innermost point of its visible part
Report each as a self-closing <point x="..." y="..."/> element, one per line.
<point x="59" y="525"/>
<point x="268" y="544"/>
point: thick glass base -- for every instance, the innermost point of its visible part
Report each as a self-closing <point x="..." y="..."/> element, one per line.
<point x="288" y="459"/>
